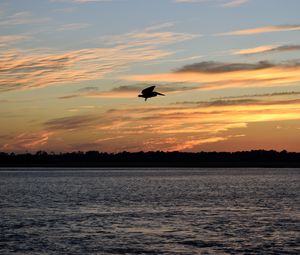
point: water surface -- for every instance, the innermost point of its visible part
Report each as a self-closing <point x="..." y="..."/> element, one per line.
<point x="150" y="211"/>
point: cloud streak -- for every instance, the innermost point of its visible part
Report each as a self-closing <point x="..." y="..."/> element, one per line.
<point x="261" y="30"/>
<point x="28" y="141"/>
<point x="73" y="26"/>
<point x="84" y="1"/>
<point x="234" y="3"/>
<point x="226" y="3"/>
<point x="126" y="91"/>
<point x="145" y="38"/>
<point x="25" y="69"/>
<point x="186" y="126"/>
<point x="275" y="94"/>
<point x="267" y="49"/>
<point x="20" y="18"/>
<point x="7" y="40"/>
<point x="70" y="123"/>
<point x="218" y="75"/>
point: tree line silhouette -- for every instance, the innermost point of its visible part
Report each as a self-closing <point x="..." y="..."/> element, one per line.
<point x="254" y="158"/>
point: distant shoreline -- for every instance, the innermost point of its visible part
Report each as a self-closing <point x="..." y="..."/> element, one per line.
<point x="161" y="165"/>
<point x="95" y="159"/>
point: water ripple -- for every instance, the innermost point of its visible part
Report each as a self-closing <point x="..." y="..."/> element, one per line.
<point x="162" y="211"/>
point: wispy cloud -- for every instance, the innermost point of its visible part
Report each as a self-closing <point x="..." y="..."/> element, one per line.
<point x="27" y="141"/>
<point x="71" y="123"/>
<point x="255" y="50"/>
<point x="267" y="49"/>
<point x="220" y="67"/>
<point x="239" y="102"/>
<point x="20" y="18"/>
<point x="267" y="95"/>
<point x="192" y="1"/>
<point x="217" y="75"/>
<point x="126" y="91"/>
<point x="73" y="26"/>
<point x="148" y="37"/>
<point x="184" y="127"/>
<point x="145" y="38"/>
<point x="260" y="30"/>
<point x="222" y="3"/>
<point x="7" y="40"/>
<point x="88" y="1"/>
<point x="220" y="102"/>
<point x="234" y="3"/>
<point x="84" y="1"/>
<point x="160" y="26"/>
<point x="66" y="10"/>
<point x="183" y="59"/>
<point x="23" y="69"/>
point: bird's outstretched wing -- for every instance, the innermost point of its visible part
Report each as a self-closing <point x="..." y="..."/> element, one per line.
<point x="148" y="90"/>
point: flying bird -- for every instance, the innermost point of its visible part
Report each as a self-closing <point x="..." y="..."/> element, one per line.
<point x="149" y="92"/>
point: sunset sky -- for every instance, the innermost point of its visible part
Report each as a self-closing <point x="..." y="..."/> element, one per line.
<point x="71" y="70"/>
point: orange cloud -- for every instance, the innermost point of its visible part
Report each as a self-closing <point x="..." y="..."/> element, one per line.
<point x="124" y="91"/>
<point x="260" y="30"/>
<point x="172" y="127"/>
<point x="212" y="75"/>
<point x="194" y="141"/>
<point x="28" y="141"/>
<point x="255" y="50"/>
<point x="33" y="69"/>
<point x="24" y="69"/>
<point x="267" y="49"/>
<point x="186" y="127"/>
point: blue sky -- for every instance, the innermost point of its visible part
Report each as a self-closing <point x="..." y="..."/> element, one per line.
<point x="81" y="63"/>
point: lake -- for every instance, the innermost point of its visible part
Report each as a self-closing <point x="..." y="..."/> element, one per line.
<point x="150" y="211"/>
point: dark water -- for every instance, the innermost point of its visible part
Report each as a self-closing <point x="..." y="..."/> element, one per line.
<point x="163" y="211"/>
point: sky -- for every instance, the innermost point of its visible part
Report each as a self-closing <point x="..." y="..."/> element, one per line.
<point x="71" y="72"/>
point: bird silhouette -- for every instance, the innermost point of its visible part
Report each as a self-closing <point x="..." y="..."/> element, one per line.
<point x="149" y="92"/>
